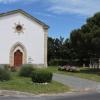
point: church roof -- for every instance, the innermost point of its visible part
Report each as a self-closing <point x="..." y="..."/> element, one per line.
<point x="26" y="14"/>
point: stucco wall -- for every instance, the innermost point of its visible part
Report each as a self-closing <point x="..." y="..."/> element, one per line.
<point x="32" y="38"/>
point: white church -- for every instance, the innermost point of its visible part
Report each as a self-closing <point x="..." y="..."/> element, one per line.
<point x="23" y="39"/>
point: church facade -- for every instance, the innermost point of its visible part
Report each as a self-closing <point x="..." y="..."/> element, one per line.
<point x="23" y="39"/>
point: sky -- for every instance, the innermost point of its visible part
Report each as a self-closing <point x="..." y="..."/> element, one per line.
<point x="62" y="16"/>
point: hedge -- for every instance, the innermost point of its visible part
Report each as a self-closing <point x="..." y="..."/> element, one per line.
<point x="4" y="74"/>
<point x="58" y="62"/>
<point x="41" y="76"/>
<point x="26" y="70"/>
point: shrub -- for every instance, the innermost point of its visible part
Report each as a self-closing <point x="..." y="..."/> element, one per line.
<point x="7" y="66"/>
<point x="13" y="69"/>
<point x="61" y="68"/>
<point x="4" y="75"/>
<point x="41" y="76"/>
<point x="74" y="69"/>
<point x="62" y="62"/>
<point x="26" y="70"/>
<point x="58" y="62"/>
<point x="68" y="68"/>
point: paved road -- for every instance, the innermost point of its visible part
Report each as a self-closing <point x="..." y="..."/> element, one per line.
<point x="77" y="83"/>
<point x="88" y="96"/>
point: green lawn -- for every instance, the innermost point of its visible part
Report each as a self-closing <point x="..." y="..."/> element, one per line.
<point x="26" y="85"/>
<point x="91" y="74"/>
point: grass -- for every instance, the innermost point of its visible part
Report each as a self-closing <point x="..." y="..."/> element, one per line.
<point x="86" y="73"/>
<point x="26" y="85"/>
<point x="52" y="69"/>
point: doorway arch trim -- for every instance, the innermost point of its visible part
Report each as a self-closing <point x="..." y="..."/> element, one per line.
<point x="15" y="47"/>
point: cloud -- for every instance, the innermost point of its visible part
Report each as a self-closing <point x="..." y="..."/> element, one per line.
<point x="44" y="14"/>
<point x="15" y="1"/>
<point x="8" y="1"/>
<point x="81" y="7"/>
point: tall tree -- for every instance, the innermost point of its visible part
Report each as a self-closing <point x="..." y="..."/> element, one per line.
<point x="86" y="40"/>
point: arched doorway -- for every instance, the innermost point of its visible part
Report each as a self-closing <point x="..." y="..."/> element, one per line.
<point x="18" y="55"/>
<point x="18" y="58"/>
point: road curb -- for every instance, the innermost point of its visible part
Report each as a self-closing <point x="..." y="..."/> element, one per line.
<point x="25" y="94"/>
<point x="14" y="93"/>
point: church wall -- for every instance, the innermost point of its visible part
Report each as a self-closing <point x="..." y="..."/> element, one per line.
<point x="32" y="38"/>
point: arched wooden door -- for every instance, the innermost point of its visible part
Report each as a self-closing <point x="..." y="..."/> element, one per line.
<point x="18" y="58"/>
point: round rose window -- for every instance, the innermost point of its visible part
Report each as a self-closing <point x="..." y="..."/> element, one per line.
<point x="19" y="28"/>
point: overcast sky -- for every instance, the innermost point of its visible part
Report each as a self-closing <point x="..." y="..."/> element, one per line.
<point x="61" y="15"/>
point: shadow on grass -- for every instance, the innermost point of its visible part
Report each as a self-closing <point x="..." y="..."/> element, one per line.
<point x="90" y="71"/>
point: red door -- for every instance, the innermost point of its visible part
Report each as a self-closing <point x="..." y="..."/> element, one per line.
<point x="18" y="56"/>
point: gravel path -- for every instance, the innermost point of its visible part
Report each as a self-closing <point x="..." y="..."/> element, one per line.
<point x="77" y="83"/>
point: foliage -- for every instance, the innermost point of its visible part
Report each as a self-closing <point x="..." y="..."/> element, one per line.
<point x="83" y="44"/>
<point x="86" y="40"/>
<point x="41" y="76"/>
<point x="54" y="48"/>
<point x="4" y="74"/>
<point x="58" y="62"/>
<point x="68" y="68"/>
<point x="26" y="70"/>
<point x="60" y="51"/>
<point x="7" y="66"/>
<point x="13" y="69"/>
<point x="25" y="84"/>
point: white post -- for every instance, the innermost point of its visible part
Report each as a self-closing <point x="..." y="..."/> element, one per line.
<point x="99" y="62"/>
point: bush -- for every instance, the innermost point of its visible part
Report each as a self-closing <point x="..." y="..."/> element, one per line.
<point x="26" y="70"/>
<point x="61" y="68"/>
<point x="7" y="66"/>
<point x="58" y="62"/>
<point x="41" y="76"/>
<point x="74" y="69"/>
<point x="4" y="75"/>
<point x="68" y="68"/>
<point x="62" y="62"/>
<point x="13" y="69"/>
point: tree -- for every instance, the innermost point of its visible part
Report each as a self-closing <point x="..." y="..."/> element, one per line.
<point x="54" y="47"/>
<point x="86" y="40"/>
<point x="51" y="49"/>
<point x="60" y="50"/>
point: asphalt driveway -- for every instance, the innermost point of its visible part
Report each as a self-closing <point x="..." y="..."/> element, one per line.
<point x="77" y="83"/>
